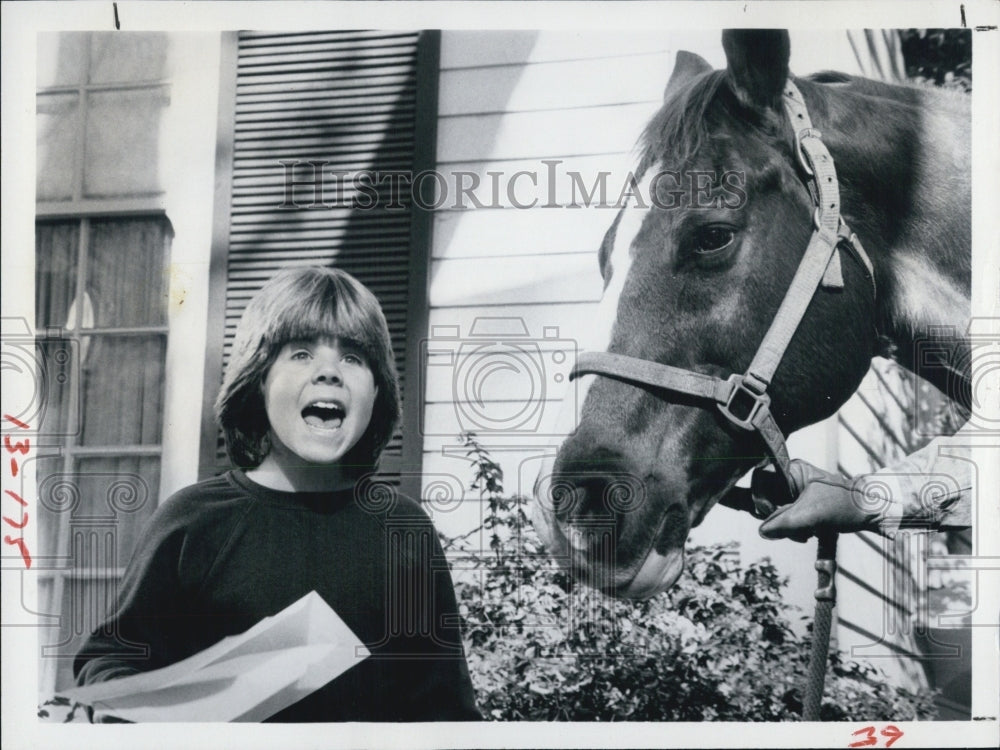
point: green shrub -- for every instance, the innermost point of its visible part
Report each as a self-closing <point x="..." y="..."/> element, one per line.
<point x="717" y="646"/>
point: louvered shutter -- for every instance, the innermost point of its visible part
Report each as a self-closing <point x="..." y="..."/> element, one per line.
<point x="336" y="102"/>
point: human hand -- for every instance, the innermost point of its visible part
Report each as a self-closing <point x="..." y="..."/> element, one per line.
<point x="826" y="502"/>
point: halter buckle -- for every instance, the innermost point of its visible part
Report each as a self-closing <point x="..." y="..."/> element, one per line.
<point x="800" y="135"/>
<point x="743" y="388"/>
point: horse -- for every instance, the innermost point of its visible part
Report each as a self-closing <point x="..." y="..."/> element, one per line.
<point x="697" y="266"/>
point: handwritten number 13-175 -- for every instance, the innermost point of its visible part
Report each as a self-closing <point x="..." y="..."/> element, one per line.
<point x="16" y="448"/>
<point x="890" y="732"/>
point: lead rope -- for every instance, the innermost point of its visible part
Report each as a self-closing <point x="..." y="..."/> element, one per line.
<point x="755" y="500"/>
<point x="826" y="600"/>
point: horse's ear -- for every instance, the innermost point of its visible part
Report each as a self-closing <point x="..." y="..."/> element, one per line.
<point x="687" y="66"/>
<point x="757" y="64"/>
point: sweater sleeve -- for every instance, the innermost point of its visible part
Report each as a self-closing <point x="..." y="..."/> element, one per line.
<point x="149" y="624"/>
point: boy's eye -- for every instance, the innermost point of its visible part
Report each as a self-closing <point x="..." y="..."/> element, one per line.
<point x="300" y="354"/>
<point x="353" y="359"/>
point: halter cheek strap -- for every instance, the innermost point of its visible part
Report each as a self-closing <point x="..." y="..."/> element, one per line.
<point x="743" y="399"/>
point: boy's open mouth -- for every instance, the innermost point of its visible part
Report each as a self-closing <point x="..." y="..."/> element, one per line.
<point x="326" y="415"/>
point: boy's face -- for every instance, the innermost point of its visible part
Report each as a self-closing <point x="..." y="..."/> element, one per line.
<point x="319" y="396"/>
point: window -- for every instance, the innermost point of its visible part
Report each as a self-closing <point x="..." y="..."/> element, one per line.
<point x="101" y="252"/>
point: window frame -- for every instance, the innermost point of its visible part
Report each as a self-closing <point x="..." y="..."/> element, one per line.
<point x="84" y="211"/>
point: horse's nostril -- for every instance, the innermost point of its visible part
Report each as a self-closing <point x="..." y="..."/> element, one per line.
<point x="593" y="497"/>
<point x="623" y="494"/>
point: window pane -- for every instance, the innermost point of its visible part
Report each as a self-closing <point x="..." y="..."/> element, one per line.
<point x="62" y="58"/>
<point x="57" y="361"/>
<point x="56" y="129"/>
<point x="55" y="500"/>
<point x="118" y="57"/>
<point x="122" y="139"/>
<point x="56" y="245"/>
<point x="126" y="276"/>
<point x="123" y="389"/>
<point x="114" y="498"/>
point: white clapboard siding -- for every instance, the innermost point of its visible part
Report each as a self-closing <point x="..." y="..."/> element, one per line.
<point x="505" y="385"/>
<point x="554" y="85"/>
<point x="523" y="421"/>
<point x="508" y="100"/>
<point x="568" y="319"/>
<point x="876" y="584"/>
<point x="512" y="280"/>
<point x="574" y="183"/>
<point x="512" y="232"/>
<point x="472" y="49"/>
<point x="447" y="476"/>
<point x="542" y="135"/>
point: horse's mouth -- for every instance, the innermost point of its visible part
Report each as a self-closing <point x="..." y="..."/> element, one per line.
<point x="656" y="574"/>
<point x="652" y="574"/>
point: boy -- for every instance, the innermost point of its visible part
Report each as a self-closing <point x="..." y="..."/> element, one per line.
<point x="309" y="400"/>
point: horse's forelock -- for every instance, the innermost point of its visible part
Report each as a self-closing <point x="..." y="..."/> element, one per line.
<point x="682" y="125"/>
<point x="679" y="128"/>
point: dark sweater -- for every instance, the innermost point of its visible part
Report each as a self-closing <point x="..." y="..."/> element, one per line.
<point x="221" y="555"/>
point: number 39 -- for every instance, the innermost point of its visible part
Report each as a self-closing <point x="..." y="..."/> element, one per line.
<point x="890" y="732"/>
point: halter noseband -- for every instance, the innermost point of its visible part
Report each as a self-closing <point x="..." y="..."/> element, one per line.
<point x="743" y="399"/>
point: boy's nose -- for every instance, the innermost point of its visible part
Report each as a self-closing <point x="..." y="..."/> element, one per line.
<point x="327" y="371"/>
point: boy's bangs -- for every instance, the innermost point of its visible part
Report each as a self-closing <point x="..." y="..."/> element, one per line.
<point x="330" y="312"/>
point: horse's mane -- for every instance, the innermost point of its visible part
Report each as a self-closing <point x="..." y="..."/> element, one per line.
<point x="830" y="76"/>
<point x="696" y="108"/>
<point x="682" y="125"/>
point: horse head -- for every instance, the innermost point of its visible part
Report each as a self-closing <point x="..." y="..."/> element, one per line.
<point x="695" y="268"/>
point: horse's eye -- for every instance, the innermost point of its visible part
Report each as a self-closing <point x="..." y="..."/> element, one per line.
<point x="712" y="239"/>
